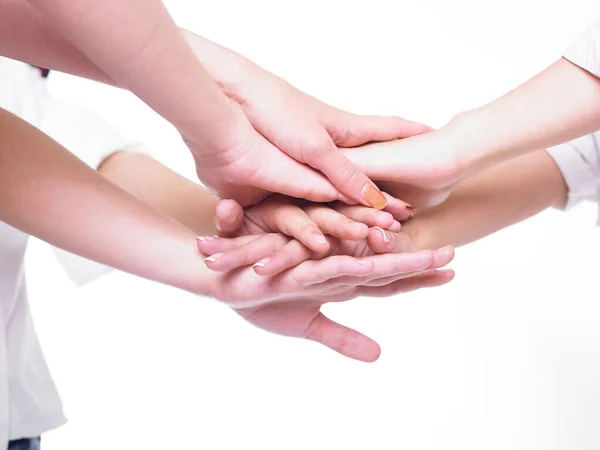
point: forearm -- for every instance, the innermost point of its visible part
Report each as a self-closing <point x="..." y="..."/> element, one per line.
<point x="497" y="198"/>
<point x="47" y="192"/>
<point x="27" y="35"/>
<point x="140" y="48"/>
<point x="559" y="104"/>
<point x="164" y="190"/>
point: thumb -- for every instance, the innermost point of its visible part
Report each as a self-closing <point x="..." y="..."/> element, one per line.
<point x="343" y="340"/>
<point x="229" y="217"/>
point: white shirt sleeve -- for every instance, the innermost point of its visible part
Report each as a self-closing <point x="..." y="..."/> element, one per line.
<point x="579" y="162"/>
<point x="585" y="51"/>
<point x="91" y="139"/>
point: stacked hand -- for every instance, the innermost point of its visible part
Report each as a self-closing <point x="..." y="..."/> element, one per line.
<point x="364" y="254"/>
<point x="281" y="135"/>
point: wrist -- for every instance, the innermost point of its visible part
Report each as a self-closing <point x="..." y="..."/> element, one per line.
<point x="471" y="143"/>
<point x="226" y="67"/>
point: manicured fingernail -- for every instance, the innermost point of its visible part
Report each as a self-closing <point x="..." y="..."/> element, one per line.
<point x="386" y="237"/>
<point x="213" y="258"/>
<point x="206" y="238"/>
<point x="373" y="196"/>
<point x="262" y="263"/>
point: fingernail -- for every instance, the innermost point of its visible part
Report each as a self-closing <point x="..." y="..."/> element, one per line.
<point x="373" y="196"/>
<point x="386" y="237"/>
<point x="206" y="238"/>
<point x="411" y="212"/>
<point x="408" y="205"/>
<point x="445" y="249"/>
<point x="213" y="258"/>
<point x="320" y="238"/>
<point x="261" y="263"/>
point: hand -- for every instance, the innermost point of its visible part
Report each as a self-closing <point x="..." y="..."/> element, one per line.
<point x="307" y="222"/>
<point x="260" y="242"/>
<point x="421" y="169"/>
<point x="289" y="303"/>
<point x="302" y="127"/>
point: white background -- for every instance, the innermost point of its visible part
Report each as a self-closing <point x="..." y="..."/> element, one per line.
<point x="506" y="356"/>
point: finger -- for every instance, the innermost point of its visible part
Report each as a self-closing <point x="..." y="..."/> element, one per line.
<point x="426" y="280"/>
<point x="291" y="220"/>
<point x="285" y="175"/>
<point x="344" y="175"/>
<point x="343" y="340"/>
<point x="335" y="224"/>
<point x="210" y="245"/>
<point x="317" y="272"/>
<point x="230" y="217"/>
<point x="369" y="216"/>
<point x="399" y="209"/>
<point x="292" y="254"/>
<point x="385" y="241"/>
<point x="306" y="141"/>
<point x="350" y="130"/>
<point x="391" y="265"/>
<point x="246" y="254"/>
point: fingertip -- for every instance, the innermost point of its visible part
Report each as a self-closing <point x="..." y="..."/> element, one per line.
<point x="262" y="267"/>
<point x="395" y="227"/>
<point x="443" y="256"/>
<point x="384" y="219"/>
<point x="374" y="353"/>
<point x="214" y="262"/>
<point x="448" y="274"/>
<point x="363" y="349"/>
<point x="203" y="243"/>
<point x="379" y="240"/>
<point x="229" y="216"/>
<point x="315" y="240"/>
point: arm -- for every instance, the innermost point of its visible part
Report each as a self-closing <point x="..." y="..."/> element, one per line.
<point x="559" y="104"/>
<point x="135" y="45"/>
<point x="497" y="198"/>
<point x="162" y="189"/>
<point x="47" y="192"/>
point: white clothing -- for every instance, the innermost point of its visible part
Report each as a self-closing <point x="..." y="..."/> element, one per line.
<point x="29" y="402"/>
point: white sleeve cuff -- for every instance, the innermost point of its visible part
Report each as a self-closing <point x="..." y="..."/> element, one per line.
<point x="585" y="51"/>
<point x="579" y="163"/>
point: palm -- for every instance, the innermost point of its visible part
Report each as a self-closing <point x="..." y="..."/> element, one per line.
<point x="285" y="318"/>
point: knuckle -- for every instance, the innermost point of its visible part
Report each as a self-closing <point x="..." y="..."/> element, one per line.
<point x="349" y="172"/>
